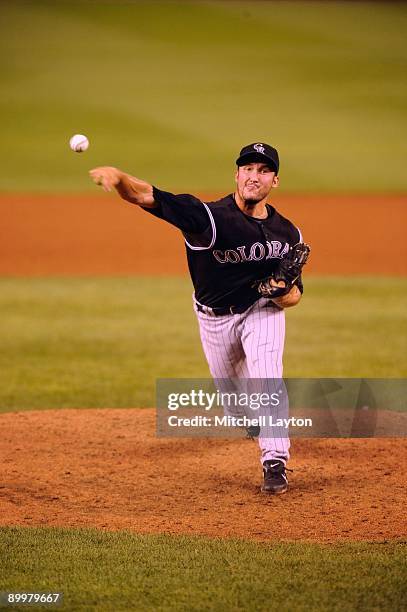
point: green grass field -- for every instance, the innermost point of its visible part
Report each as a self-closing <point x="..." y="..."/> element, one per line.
<point x="77" y="342"/>
<point x="123" y="571"/>
<point x="171" y="90"/>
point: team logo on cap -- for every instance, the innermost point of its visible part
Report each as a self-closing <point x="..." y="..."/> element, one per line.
<point x="259" y="147"/>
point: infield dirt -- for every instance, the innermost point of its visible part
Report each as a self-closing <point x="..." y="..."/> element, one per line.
<point x="102" y="235"/>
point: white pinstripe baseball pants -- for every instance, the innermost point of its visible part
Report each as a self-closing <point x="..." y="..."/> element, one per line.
<point x="249" y="345"/>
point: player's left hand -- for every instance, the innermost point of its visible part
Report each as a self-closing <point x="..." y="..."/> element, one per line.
<point x="286" y="273"/>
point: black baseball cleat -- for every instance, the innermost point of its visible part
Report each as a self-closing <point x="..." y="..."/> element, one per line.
<point x="252" y="431"/>
<point x="275" y="478"/>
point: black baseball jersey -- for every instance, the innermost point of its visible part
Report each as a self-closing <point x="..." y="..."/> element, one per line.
<point x="227" y="250"/>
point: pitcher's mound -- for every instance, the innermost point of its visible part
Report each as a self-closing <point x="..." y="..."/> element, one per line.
<point x="106" y="469"/>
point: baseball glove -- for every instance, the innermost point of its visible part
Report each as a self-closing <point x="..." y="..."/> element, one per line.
<point x="288" y="270"/>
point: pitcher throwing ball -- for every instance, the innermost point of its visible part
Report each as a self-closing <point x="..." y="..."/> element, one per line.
<point x="245" y="261"/>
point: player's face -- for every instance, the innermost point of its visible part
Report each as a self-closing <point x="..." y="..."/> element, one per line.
<point x="255" y="181"/>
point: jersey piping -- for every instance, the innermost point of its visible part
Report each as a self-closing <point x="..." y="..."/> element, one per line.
<point x="205" y="248"/>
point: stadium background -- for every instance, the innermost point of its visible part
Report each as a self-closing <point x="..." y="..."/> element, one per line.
<point x="95" y="300"/>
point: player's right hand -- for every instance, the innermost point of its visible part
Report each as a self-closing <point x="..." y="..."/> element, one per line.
<point x="106" y="176"/>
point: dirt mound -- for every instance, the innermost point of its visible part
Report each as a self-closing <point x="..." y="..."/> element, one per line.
<point x="106" y="468"/>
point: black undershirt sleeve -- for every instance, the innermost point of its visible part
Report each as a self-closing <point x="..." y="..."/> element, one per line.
<point x="185" y="211"/>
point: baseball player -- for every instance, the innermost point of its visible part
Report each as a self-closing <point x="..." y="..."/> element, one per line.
<point x="230" y="245"/>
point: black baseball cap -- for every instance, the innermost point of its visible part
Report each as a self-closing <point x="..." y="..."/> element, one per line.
<point x="259" y="152"/>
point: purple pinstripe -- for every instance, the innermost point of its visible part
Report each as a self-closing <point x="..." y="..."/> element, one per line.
<point x="246" y="346"/>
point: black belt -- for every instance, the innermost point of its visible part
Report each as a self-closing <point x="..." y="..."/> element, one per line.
<point x="223" y="310"/>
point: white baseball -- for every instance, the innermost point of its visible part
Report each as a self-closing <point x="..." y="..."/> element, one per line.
<point x="79" y="143"/>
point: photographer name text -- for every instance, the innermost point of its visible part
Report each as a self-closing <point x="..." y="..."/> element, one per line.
<point x="241" y="421"/>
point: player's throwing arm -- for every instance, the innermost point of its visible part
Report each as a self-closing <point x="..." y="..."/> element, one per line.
<point x="129" y="187"/>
